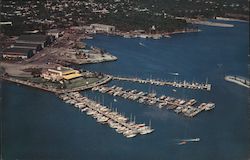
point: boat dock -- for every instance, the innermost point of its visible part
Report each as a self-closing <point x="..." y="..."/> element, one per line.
<point x="186" y="107"/>
<point x="104" y="115"/>
<point x="183" y="84"/>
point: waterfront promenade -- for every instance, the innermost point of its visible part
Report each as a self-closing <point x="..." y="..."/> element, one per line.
<point x="105" y="80"/>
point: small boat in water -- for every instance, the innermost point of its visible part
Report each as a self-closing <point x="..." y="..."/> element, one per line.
<point x="174" y="73"/>
<point x="182" y="143"/>
<point x="141" y="44"/>
<point x="185" y="141"/>
<point x="192" y="140"/>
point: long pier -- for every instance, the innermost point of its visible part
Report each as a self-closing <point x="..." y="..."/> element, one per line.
<point x="105" y="116"/>
<point x="238" y="80"/>
<point x="183" y="84"/>
<point x="178" y="105"/>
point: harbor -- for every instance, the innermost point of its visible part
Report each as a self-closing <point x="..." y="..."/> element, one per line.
<point x="105" y="115"/>
<point x="38" y="123"/>
<point x="186" y="107"/>
<point x="184" y="84"/>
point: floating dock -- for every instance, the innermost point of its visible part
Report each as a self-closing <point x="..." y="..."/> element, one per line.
<point x="104" y="115"/>
<point x="186" y="107"/>
<point x="183" y="84"/>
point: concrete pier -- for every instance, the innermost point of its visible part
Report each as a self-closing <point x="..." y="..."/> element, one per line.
<point x="183" y="84"/>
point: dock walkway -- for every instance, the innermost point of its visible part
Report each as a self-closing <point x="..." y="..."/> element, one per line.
<point x="178" y="105"/>
<point x="183" y="84"/>
<point x="106" y="116"/>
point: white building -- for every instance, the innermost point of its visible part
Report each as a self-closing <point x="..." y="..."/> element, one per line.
<point x="54" y="32"/>
<point x="60" y="73"/>
<point x="102" y="28"/>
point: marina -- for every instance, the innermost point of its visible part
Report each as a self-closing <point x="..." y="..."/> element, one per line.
<point x="186" y="107"/>
<point x="39" y="124"/>
<point x="184" y="84"/>
<point x="105" y="115"/>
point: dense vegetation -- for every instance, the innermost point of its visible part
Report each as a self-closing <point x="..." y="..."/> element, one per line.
<point x="124" y="14"/>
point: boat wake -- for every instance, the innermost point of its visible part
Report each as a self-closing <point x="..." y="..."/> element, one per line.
<point x="185" y="141"/>
<point x="174" y="73"/>
<point x="141" y="44"/>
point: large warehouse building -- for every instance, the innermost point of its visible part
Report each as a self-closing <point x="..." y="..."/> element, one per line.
<point x="26" y="46"/>
<point x="34" y="47"/>
<point x="17" y="53"/>
<point x="42" y="40"/>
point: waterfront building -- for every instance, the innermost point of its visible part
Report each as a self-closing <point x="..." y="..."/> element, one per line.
<point x="17" y="53"/>
<point x="60" y="73"/>
<point x="102" y="28"/>
<point x="55" y="33"/>
<point x="33" y="47"/>
<point x="42" y="40"/>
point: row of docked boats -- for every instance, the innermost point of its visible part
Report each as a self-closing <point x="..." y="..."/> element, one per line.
<point x="184" y="84"/>
<point x="105" y="115"/>
<point x="186" y="107"/>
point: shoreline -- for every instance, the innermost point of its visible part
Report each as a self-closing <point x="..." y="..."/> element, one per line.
<point x="144" y="35"/>
<point x="230" y="19"/>
<point x="105" y="80"/>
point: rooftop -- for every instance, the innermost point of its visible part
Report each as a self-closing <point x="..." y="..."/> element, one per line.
<point x="63" y="70"/>
<point x="72" y="76"/>
<point x="54" y="31"/>
<point x="33" y="38"/>
<point x="25" y="45"/>
<point x="17" y="50"/>
<point x="101" y="25"/>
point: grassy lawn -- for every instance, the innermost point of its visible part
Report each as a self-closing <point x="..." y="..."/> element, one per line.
<point x="81" y="82"/>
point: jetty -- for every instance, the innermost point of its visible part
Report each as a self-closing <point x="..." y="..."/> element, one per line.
<point x="184" y="84"/>
<point x="205" y="22"/>
<point x="105" y="80"/>
<point x="213" y="24"/>
<point x="105" y="115"/>
<point x="186" y="107"/>
<point x="238" y="80"/>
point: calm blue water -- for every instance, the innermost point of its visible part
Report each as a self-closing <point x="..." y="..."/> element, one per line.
<point x="38" y="125"/>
